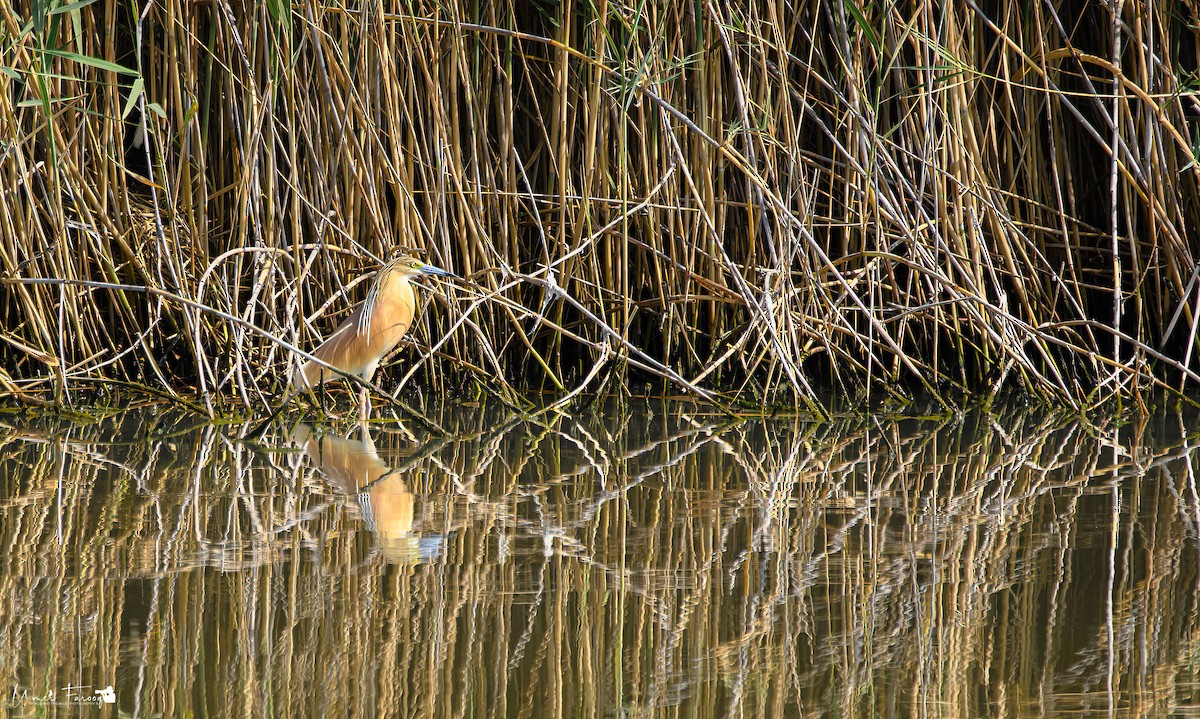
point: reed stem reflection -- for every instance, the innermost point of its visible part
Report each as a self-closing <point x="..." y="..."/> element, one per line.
<point x="651" y="561"/>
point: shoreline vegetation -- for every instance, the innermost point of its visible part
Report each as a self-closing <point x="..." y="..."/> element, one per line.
<point x="758" y="203"/>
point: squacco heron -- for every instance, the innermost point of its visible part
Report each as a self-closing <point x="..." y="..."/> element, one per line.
<point x="364" y="338"/>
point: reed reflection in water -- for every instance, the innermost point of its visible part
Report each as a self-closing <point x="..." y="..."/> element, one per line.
<point x="653" y="561"/>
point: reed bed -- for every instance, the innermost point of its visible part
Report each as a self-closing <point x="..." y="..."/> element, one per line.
<point x="664" y="564"/>
<point x="762" y="202"/>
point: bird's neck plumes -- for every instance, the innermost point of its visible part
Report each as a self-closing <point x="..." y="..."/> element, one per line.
<point x="390" y="274"/>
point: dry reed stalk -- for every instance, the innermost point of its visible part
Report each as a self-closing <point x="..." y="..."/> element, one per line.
<point x="758" y="202"/>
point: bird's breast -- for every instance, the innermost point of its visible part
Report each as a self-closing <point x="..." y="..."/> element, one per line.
<point x="359" y="343"/>
<point x="391" y="317"/>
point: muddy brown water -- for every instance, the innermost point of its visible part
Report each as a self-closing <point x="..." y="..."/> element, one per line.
<point x="639" y="561"/>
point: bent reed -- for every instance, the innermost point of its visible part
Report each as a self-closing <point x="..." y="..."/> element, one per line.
<point x="760" y="202"/>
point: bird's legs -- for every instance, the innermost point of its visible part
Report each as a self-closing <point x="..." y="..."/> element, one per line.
<point x="322" y="396"/>
<point x="364" y="394"/>
<point x="364" y="404"/>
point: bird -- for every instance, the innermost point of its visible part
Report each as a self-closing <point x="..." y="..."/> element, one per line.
<point x="364" y="338"/>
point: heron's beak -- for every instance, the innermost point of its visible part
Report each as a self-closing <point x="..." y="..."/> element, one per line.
<point x="431" y="270"/>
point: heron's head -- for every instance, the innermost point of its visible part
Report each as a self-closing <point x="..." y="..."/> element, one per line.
<point x="410" y="266"/>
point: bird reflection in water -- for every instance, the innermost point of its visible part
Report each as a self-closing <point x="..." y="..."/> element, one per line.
<point x="354" y="467"/>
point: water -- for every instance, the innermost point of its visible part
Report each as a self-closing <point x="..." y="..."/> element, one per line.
<point x="653" y="560"/>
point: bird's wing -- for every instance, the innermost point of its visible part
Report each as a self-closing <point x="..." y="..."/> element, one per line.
<point x="337" y="350"/>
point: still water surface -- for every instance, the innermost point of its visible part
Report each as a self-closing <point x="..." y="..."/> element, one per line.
<point x="652" y="560"/>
